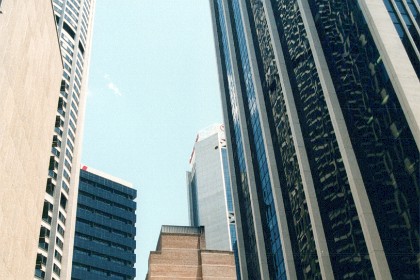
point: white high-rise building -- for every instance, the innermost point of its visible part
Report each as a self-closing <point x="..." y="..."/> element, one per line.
<point x="74" y="19"/>
<point x="209" y="189"/>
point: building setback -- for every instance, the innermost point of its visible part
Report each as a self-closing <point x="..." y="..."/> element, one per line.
<point x="322" y="113"/>
<point x="181" y="254"/>
<point x="30" y="74"/>
<point x="104" y="240"/>
<point x="74" y="21"/>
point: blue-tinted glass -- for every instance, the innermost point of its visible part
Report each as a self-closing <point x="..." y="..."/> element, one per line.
<point x="105" y="229"/>
<point x="384" y="146"/>
<point x="269" y="222"/>
<point x="239" y="160"/>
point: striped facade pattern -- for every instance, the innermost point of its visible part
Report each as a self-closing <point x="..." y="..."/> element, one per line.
<point x="321" y="109"/>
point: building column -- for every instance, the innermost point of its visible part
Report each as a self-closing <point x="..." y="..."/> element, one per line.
<point x="361" y="200"/>
<point x="268" y="146"/>
<point x="307" y="182"/>
<point x="224" y="88"/>
<point x="398" y="65"/>
<point x="256" y="214"/>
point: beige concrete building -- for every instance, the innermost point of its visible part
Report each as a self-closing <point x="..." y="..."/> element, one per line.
<point x="181" y="254"/>
<point x="30" y="74"/>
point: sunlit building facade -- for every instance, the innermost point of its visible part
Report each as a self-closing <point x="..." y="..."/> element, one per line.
<point x="209" y="189"/>
<point x="104" y="240"/>
<point x="322" y="114"/>
<point x="30" y="74"/>
<point x="181" y="253"/>
<point x="74" y="20"/>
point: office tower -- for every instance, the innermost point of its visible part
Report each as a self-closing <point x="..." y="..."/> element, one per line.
<point x="105" y="228"/>
<point x="181" y="254"/>
<point x="30" y="73"/>
<point x="322" y="114"/>
<point x="74" y="20"/>
<point x="209" y="190"/>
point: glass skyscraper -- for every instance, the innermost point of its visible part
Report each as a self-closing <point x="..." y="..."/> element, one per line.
<point x="209" y="190"/>
<point x="104" y="240"/>
<point x="74" y="20"/>
<point x="322" y="116"/>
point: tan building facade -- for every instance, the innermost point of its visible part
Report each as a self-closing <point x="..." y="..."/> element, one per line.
<point x="30" y="75"/>
<point x="181" y="254"/>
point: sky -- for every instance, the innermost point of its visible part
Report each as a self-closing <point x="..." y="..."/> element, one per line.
<point x="152" y="86"/>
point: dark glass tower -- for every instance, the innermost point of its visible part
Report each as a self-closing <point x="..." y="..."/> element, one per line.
<point x="321" y="108"/>
<point x="105" y="228"/>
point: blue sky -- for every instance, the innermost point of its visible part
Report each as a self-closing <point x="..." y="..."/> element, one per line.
<point x="152" y="86"/>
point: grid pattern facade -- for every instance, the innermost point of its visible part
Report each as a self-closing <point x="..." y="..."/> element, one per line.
<point x="74" y="20"/>
<point x="316" y="72"/>
<point x="104" y="240"/>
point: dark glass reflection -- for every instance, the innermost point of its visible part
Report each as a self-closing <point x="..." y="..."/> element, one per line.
<point x="299" y="224"/>
<point x="345" y="240"/>
<point x="273" y="246"/>
<point x="383" y="143"/>
<point x="230" y="95"/>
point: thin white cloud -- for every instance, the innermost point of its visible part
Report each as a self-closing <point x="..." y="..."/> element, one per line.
<point x="112" y="86"/>
<point x="114" y="89"/>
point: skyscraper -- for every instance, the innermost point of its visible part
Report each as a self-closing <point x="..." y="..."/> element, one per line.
<point x="321" y="109"/>
<point x="105" y="228"/>
<point x="30" y="74"/>
<point x="209" y="189"/>
<point x="74" y="20"/>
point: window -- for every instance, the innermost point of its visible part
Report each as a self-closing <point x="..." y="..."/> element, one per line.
<point x="38" y="272"/>
<point x="69" y="30"/>
<point x="61" y="217"/>
<point x="57" y="256"/>
<point x="60" y="230"/>
<point x="65" y="187"/>
<point x="98" y="271"/>
<point x="63" y="201"/>
<point x="45" y="212"/>
<point x="68" y="154"/>
<point x="56" y="270"/>
<point x="56" y="142"/>
<point x="50" y="187"/>
<point x="59" y="243"/>
<point x="68" y="165"/>
<point x="41" y="260"/>
<point x="66" y="175"/>
<point x="80" y="266"/>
